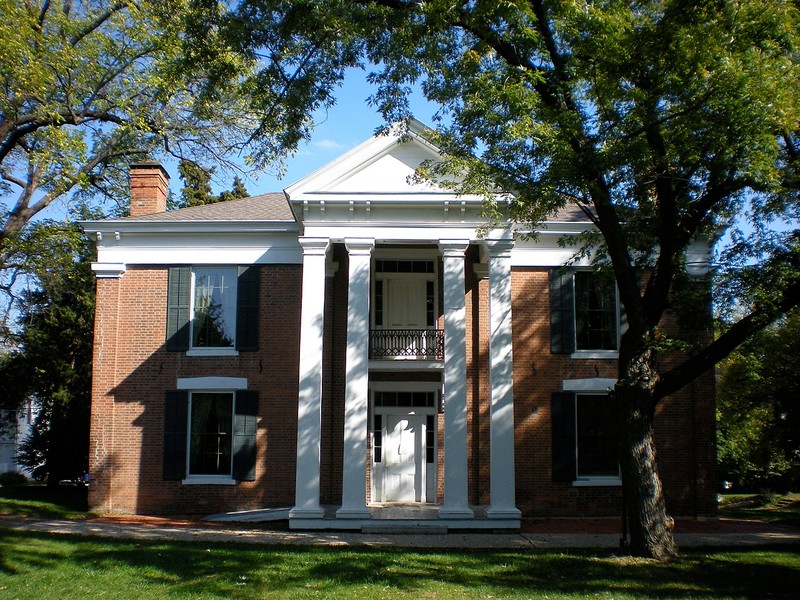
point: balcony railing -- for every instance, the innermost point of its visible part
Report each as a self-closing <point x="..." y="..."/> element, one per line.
<point x="413" y="344"/>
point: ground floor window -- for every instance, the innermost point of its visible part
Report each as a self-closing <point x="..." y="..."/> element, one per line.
<point x="584" y="440"/>
<point x="210" y="433"/>
<point x="596" y="442"/>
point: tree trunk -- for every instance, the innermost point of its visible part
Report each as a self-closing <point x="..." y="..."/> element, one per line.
<point x="651" y="532"/>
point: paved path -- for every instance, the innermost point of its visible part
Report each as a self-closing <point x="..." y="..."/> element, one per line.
<point x="154" y="529"/>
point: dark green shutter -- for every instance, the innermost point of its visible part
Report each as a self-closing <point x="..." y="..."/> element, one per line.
<point x="563" y="436"/>
<point x="562" y="312"/>
<point x="176" y="413"/>
<point x="244" y="435"/>
<point x="247" y="308"/>
<point x="179" y="286"/>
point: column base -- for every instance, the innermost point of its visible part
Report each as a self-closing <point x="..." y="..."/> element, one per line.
<point x="309" y="512"/>
<point x="464" y="512"/>
<point x="353" y="513"/>
<point x="503" y="513"/>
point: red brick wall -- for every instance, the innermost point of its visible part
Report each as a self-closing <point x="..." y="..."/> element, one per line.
<point x="132" y="371"/>
<point x="684" y="421"/>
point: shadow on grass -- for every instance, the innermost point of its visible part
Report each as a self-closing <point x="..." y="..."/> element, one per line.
<point x="43" y="501"/>
<point x="243" y="571"/>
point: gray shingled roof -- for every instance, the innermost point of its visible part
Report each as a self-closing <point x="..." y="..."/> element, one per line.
<point x="568" y="214"/>
<point x="265" y="207"/>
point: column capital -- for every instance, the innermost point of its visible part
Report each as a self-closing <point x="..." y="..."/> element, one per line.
<point x="108" y="270"/>
<point x="314" y="246"/>
<point x="455" y="248"/>
<point x="498" y="248"/>
<point x="360" y="246"/>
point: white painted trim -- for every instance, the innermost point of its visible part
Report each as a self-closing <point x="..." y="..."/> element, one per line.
<point x="212" y="352"/>
<point x="595" y="354"/>
<point x="405" y="386"/>
<point x="212" y="383"/>
<point x="595" y="384"/>
<point x="208" y="480"/>
<point x="597" y="482"/>
<point x="377" y="366"/>
<point x="108" y="270"/>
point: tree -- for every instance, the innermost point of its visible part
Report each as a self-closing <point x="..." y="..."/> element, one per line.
<point x="53" y="357"/>
<point x="89" y="86"/>
<point x="757" y="412"/>
<point x="664" y="121"/>
<point x="197" y="186"/>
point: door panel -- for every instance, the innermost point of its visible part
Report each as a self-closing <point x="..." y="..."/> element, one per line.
<point x="400" y="458"/>
<point x="405" y="303"/>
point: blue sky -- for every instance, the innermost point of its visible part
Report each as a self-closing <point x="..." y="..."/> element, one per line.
<point x="350" y="122"/>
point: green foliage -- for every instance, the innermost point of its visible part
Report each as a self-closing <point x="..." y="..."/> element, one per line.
<point x="664" y="121"/>
<point x="197" y="186"/>
<point x="52" y="357"/>
<point x="758" y="416"/>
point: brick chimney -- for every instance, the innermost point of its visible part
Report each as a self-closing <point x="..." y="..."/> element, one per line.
<point x="149" y="184"/>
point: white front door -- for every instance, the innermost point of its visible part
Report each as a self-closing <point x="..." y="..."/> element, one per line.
<point x="402" y="465"/>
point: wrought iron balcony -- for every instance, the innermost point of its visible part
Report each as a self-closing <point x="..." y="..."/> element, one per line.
<point x="413" y="344"/>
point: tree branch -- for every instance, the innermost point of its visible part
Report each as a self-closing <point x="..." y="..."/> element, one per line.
<point x="689" y="370"/>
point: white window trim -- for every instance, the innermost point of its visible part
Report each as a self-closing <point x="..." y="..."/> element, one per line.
<point x="597" y="354"/>
<point x="212" y="352"/>
<point x="597" y="385"/>
<point x="208" y="480"/>
<point x="200" y="385"/>
<point x="209" y="384"/>
<point x="597" y="482"/>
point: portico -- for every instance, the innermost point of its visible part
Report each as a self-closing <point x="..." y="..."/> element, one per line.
<point x="408" y="413"/>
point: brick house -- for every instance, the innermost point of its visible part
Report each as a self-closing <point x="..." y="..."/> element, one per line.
<point x="352" y="344"/>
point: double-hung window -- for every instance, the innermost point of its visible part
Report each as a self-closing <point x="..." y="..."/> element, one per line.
<point x="585" y="314"/>
<point x="584" y="440"/>
<point x="210" y="435"/>
<point x="212" y="309"/>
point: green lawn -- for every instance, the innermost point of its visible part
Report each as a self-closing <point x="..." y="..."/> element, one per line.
<point x="51" y="566"/>
<point x="783" y="509"/>
<point x="45" y="566"/>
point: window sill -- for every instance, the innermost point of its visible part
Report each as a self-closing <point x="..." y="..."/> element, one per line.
<point x="212" y="352"/>
<point x="597" y="354"/>
<point x="598" y="482"/>
<point x="208" y="480"/>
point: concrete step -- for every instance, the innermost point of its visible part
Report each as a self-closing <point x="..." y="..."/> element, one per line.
<point x="407" y="527"/>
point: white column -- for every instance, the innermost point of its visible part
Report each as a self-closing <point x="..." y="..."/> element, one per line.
<point x="309" y="402"/>
<point x="354" y="468"/>
<point x="455" y="382"/>
<point x="501" y="378"/>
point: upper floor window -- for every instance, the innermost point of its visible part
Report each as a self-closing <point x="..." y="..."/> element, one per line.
<point x="585" y="313"/>
<point x="213" y="309"/>
<point x="595" y="312"/>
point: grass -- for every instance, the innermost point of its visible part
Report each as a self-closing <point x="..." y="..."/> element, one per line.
<point x="771" y="508"/>
<point x="38" y="565"/>
<point x="34" y="565"/>
<point x="35" y="500"/>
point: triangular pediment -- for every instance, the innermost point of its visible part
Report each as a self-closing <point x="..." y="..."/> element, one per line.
<point x="374" y="182"/>
<point x="382" y="165"/>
